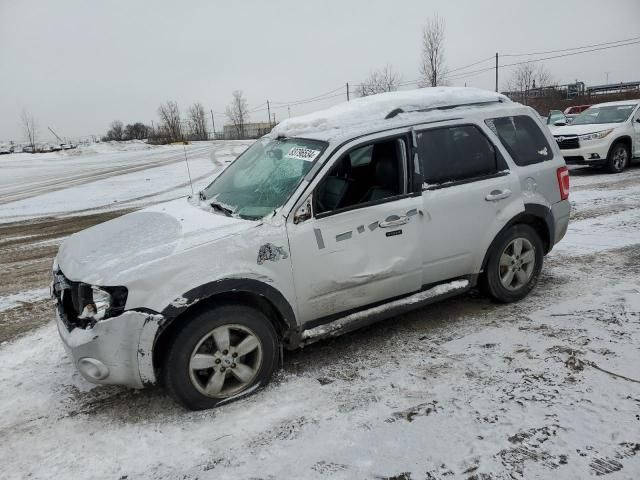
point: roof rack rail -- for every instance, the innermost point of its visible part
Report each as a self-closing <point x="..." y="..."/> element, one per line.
<point x="397" y="111"/>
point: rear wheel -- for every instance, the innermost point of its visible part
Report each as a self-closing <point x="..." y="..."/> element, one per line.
<point x="618" y="158"/>
<point x="514" y="264"/>
<point x="221" y="354"/>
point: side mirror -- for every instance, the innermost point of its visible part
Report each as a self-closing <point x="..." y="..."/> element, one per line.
<point x="560" y="123"/>
<point x="638" y="119"/>
<point x="303" y="212"/>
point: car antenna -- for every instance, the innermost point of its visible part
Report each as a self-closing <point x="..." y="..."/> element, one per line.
<point x="184" y="147"/>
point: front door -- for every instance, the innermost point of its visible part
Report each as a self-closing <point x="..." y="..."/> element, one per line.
<point x="362" y="244"/>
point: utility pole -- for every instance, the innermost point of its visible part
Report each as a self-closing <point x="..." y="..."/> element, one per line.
<point x="289" y="110"/>
<point x="213" y="124"/>
<point x="274" y="118"/>
<point x="269" y="112"/>
<point x="347" y="91"/>
<point x="607" y="74"/>
<point x="496" y="72"/>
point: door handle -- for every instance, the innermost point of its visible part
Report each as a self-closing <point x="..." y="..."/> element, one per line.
<point x="393" y="221"/>
<point x="496" y="195"/>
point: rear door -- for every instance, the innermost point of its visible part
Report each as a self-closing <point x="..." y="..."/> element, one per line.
<point x="362" y="243"/>
<point x="468" y="195"/>
<point x="636" y="129"/>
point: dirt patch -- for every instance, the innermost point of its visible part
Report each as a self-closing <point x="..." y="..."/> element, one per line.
<point x="27" y="250"/>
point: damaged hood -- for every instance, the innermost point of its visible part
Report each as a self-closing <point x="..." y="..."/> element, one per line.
<point x="101" y="254"/>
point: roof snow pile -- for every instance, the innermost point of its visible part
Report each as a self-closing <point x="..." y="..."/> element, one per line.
<point x="377" y="107"/>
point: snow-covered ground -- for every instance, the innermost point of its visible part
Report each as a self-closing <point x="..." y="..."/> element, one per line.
<point x="545" y="388"/>
<point x="106" y="177"/>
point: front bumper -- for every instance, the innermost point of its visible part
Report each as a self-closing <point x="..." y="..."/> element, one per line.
<point x="589" y="153"/>
<point x="114" y="351"/>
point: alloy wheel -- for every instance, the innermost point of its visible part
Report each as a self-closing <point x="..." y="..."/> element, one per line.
<point x="620" y="158"/>
<point x="517" y="264"/>
<point x="225" y="361"/>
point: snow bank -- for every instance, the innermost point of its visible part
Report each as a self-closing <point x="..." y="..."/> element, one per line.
<point x="377" y="107"/>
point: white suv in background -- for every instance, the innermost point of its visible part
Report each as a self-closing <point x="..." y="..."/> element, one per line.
<point x="607" y="134"/>
<point x="332" y="221"/>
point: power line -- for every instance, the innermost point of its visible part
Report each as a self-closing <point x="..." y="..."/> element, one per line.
<point x="570" y="54"/>
<point x="567" y="49"/>
<point x="474" y="72"/>
<point x="293" y="102"/>
<point x="255" y="109"/>
<point x="472" y="64"/>
<point x="463" y="74"/>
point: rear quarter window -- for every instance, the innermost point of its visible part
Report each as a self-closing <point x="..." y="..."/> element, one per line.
<point x="522" y="138"/>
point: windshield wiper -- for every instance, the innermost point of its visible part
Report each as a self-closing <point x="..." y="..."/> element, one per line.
<point x="218" y="206"/>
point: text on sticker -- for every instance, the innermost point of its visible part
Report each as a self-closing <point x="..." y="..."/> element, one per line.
<point x="302" y="153"/>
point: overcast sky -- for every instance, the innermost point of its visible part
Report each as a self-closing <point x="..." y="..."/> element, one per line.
<point x="78" y="65"/>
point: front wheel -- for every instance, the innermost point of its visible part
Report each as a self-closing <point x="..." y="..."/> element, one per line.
<point x="221" y="354"/>
<point x="618" y="158"/>
<point x="514" y="264"/>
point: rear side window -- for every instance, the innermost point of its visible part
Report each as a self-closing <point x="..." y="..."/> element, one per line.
<point x="454" y="154"/>
<point x="522" y="138"/>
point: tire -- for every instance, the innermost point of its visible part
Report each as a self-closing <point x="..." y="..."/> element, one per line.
<point x="618" y="158"/>
<point x="496" y="280"/>
<point x="204" y="367"/>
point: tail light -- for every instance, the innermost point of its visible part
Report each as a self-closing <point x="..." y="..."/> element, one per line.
<point x="563" y="182"/>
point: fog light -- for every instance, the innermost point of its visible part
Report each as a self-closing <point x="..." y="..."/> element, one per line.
<point x="594" y="156"/>
<point x="93" y="369"/>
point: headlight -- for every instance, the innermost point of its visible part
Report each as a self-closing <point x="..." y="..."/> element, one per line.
<point x="101" y="302"/>
<point x="595" y="135"/>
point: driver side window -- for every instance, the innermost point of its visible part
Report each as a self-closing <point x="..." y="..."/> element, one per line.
<point x="367" y="174"/>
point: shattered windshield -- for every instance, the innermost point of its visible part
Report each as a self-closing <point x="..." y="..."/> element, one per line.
<point x="263" y="177"/>
<point x="608" y="114"/>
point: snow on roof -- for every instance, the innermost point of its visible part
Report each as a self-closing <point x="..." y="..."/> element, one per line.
<point x="377" y="107"/>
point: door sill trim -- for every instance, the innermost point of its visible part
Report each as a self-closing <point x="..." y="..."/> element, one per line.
<point x="392" y="308"/>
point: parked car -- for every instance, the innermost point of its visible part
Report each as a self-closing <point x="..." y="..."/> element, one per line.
<point x="555" y="118"/>
<point x="607" y="134"/>
<point x="5" y="149"/>
<point x="331" y="222"/>
<point x="576" y="109"/>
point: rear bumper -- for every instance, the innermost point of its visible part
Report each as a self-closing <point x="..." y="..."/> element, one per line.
<point x="561" y="212"/>
<point x="114" y="351"/>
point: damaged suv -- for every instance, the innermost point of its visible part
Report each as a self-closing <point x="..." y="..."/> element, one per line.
<point x="332" y="221"/>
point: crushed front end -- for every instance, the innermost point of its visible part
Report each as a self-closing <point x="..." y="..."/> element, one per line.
<point x="108" y="344"/>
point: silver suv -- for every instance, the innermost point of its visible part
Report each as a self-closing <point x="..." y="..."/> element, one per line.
<point x="334" y="220"/>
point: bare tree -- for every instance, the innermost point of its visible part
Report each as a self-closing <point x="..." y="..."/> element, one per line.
<point x="238" y="113"/>
<point x="170" y="120"/>
<point x="379" y="81"/>
<point x="526" y="77"/>
<point x="136" y="131"/>
<point x="116" y="131"/>
<point x="432" y="68"/>
<point x="30" y="129"/>
<point x="197" y="119"/>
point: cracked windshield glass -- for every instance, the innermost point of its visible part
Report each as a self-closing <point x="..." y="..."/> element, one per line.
<point x="263" y="177"/>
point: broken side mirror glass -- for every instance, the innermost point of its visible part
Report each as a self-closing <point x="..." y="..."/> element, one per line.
<point x="303" y="212"/>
